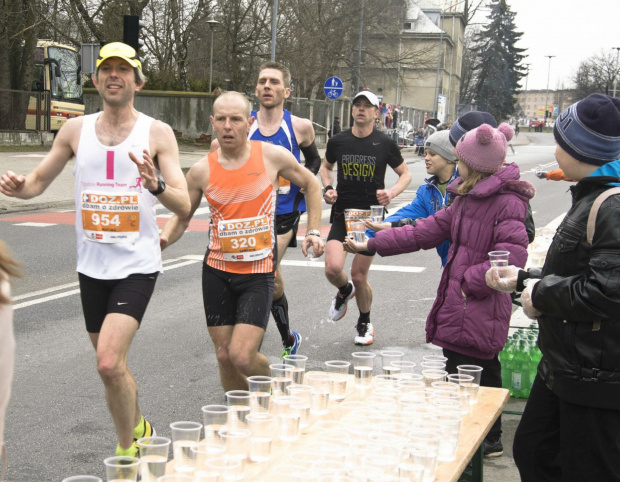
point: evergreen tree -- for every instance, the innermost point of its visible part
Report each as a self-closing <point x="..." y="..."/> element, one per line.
<point x="497" y="67"/>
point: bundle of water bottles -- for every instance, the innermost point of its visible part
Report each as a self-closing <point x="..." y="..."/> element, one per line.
<point x="520" y="358"/>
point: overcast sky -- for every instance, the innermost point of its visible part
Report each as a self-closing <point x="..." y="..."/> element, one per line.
<point x="572" y="30"/>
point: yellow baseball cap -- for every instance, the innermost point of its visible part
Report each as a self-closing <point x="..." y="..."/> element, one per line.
<point x="120" y="50"/>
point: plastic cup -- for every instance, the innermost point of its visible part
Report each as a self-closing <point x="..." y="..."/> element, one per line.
<point x="321" y="382"/>
<point x="434" y="375"/>
<point x="288" y="410"/>
<point x="215" y="418"/>
<point x="154" y="453"/>
<point x="121" y="468"/>
<point x="282" y="375"/>
<point x="82" y="478"/>
<point x="472" y="386"/>
<point x="260" y="393"/>
<point x="184" y="435"/>
<point x="389" y="356"/>
<point x="433" y="365"/>
<point x="202" y="452"/>
<point x="299" y="366"/>
<point x="175" y="478"/>
<point x="340" y="373"/>
<point x="404" y="367"/>
<point x="305" y="393"/>
<point x="263" y="428"/>
<point x="228" y="466"/>
<point x="239" y="402"/>
<point x="359" y="230"/>
<point x="376" y="213"/>
<point x="363" y="364"/>
<point x="449" y="425"/>
<point x="237" y="444"/>
<point x="499" y="260"/>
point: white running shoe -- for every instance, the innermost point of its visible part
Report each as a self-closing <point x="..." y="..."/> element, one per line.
<point x="339" y="304"/>
<point x="365" y="334"/>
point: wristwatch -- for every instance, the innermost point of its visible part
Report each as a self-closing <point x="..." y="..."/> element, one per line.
<point x="327" y="188"/>
<point x="161" y="187"/>
<point x="313" y="232"/>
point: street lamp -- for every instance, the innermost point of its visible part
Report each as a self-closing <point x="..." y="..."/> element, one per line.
<point x="547" y="93"/>
<point x="212" y="26"/>
<point x="616" y="76"/>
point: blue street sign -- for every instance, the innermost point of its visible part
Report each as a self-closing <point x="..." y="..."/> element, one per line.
<point x="333" y="88"/>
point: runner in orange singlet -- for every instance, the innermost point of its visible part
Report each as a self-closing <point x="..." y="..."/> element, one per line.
<point x="240" y="181"/>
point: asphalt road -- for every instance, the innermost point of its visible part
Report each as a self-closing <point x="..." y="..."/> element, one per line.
<point x="58" y="423"/>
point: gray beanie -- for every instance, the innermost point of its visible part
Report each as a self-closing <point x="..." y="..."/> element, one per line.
<point x="439" y="143"/>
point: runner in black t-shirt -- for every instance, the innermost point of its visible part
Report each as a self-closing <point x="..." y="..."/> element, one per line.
<point x="362" y="154"/>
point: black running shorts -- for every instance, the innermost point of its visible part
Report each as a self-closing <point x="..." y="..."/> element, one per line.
<point x="338" y="231"/>
<point x="231" y="298"/>
<point x="128" y="296"/>
<point x="286" y="222"/>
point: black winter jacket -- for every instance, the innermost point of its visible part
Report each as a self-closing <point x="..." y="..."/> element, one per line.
<point x="579" y="298"/>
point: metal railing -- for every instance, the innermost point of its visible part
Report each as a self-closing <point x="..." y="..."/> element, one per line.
<point x="24" y="111"/>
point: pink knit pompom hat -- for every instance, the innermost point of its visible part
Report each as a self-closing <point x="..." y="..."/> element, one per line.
<point x="484" y="148"/>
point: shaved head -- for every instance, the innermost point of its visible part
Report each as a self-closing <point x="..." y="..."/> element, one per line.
<point x="231" y="97"/>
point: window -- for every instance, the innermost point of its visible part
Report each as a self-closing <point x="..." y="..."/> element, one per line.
<point x="409" y="25"/>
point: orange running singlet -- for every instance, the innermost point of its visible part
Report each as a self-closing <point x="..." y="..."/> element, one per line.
<point x="243" y="206"/>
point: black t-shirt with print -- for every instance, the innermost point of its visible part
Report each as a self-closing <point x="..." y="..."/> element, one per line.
<point x="361" y="166"/>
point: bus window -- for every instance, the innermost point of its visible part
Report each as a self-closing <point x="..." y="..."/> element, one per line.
<point x="65" y="86"/>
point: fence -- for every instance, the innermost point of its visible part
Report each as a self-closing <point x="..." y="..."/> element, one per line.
<point x="24" y="111"/>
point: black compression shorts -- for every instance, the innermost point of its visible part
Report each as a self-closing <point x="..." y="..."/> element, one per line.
<point x="286" y="222"/>
<point x="129" y="296"/>
<point x="338" y="231"/>
<point x="231" y="298"/>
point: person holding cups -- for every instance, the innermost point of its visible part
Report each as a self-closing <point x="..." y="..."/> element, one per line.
<point x="468" y="319"/>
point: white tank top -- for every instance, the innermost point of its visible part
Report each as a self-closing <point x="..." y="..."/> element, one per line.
<point x="115" y="223"/>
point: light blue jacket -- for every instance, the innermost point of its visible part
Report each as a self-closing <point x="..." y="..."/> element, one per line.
<point x="427" y="202"/>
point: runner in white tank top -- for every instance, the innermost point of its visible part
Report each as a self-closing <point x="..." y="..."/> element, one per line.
<point x="120" y="155"/>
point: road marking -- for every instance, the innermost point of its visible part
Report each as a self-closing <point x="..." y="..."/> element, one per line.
<point x="374" y="267"/>
<point x="185" y="260"/>
<point x="35" y="225"/>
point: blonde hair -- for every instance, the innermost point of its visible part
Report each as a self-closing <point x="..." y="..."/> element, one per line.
<point x="8" y="266"/>
<point x="472" y="179"/>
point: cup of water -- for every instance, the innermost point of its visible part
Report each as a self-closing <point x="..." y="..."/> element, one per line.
<point x="499" y="260"/>
<point x="376" y="213"/>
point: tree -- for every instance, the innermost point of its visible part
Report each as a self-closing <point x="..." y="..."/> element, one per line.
<point x="18" y="39"/>
<point x="497" y="68"/>
<point x="596" y="74"/>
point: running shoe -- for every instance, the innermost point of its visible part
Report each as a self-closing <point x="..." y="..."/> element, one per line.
<point x="339" y="304"/>
<point x="292" y="350"/>
<point x="148" y="431"/>
<point x="365" y="334"/>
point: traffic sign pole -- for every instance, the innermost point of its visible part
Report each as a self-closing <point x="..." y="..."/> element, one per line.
<point x="333" y="88"/>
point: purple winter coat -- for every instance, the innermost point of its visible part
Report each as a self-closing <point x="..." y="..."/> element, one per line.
<point x="468" y="317"/>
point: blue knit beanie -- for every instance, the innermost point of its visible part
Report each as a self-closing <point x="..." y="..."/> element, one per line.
<point x="589" y="130"/>
<point x="469" y="121"/>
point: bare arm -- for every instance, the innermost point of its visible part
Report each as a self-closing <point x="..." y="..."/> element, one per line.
<point x="33" y="184"/>
<point x="384" y="196"/>
<point x="288" y="167"/>
<point x="165" y="151"/>
<point x="197" y="177"/>
<point x="327" y="178"/>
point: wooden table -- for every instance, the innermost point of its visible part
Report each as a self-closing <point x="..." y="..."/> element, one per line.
<point x="474" y="427"/>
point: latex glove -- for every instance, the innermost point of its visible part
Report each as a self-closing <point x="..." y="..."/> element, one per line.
<point x="351" y="246"/>
<point x="526" y="300"/>
<point x="502" y="279"/>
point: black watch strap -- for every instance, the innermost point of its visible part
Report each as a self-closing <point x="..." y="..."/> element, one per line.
<point x="161" y="187"/>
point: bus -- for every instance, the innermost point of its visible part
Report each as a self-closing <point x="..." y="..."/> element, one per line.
<point x="58" y="71"/>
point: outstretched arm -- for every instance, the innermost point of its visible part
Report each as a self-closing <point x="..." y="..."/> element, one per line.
<point x="33" y="184"/>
